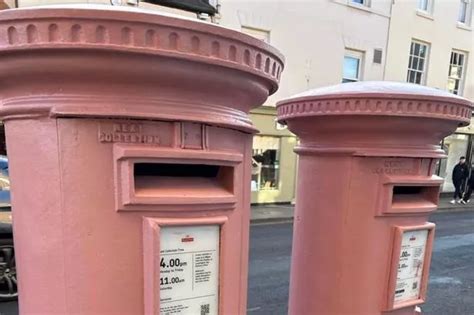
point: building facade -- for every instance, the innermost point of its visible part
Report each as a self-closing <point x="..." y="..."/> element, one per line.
<point x="327" y="42"/>
<point x="323" y="42"/>
<point x="430" y="43"/>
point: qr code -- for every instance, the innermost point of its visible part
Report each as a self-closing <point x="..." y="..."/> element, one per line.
<point x="205" y="309"/>
<point x="415" y="285"/>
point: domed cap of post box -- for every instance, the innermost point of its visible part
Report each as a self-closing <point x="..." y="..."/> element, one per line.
<point x="387" y="117"/>
<point x="99" y="60"/>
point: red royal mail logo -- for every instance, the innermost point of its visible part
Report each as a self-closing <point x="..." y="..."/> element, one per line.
<point x="187" y="239"/>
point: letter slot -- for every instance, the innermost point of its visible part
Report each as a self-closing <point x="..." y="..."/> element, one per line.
<point x="172" y="180"/>
<point x="409" y="195"/>
<point x="183" y="180"/>
<point x="414" y="197"/>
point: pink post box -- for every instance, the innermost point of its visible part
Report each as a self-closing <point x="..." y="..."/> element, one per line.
<point x="366" y="187"/>
<point x="130" y="151"/>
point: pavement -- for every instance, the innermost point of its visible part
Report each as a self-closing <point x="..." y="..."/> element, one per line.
<point x="273" y="213"/>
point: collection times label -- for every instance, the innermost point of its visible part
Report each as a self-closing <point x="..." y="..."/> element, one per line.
<point x="189" y="270"/>
<point x="410" y="265"/>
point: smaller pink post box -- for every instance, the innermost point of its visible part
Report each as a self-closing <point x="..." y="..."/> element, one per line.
<point x="366" y="187"/>
<point x="130" y="151"/>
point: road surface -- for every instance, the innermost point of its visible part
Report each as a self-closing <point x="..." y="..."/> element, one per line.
<point x="451" y="289"/>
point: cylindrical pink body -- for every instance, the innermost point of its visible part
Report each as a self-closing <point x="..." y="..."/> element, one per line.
<point x="365" y="189"/>
<point x="120" y="124"/>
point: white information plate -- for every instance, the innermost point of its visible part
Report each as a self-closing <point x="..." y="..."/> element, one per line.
<point x="410" y="265"/>
<point x="189" y="270"/>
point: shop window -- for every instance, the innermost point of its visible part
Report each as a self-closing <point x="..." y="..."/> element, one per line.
<point x="456" y="72"/>
<point x="417" y="62"/>
<point x="455" y="146"/>
<point x="265" y="163"/>
<point x="3" y="146"/>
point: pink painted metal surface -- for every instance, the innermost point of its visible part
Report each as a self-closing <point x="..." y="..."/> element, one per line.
<point x="87" y="94"/>
<point x="367" y="157"/>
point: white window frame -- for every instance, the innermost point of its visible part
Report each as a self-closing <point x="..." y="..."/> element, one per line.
<point x="262" y="34"/>
<point x="467" y="5"/>
<point x="463" y="71"/>
<point x="413" y="64"/>
<point x="429" y="6"/>
<point x="356" y="54"/>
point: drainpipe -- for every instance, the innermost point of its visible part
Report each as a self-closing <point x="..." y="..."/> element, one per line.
<point x="388" y="38"/>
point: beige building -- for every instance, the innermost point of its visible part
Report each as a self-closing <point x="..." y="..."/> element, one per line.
<point x="332" y="41"/>
<point x="315" y="36"/>
<point x="431" y="43"/>
<point x="324" y="42"/>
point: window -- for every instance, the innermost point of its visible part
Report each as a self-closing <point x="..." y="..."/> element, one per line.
<point x="360" y="2"/>
<point x="464" y="12"/>
<point x="352" y="67"/>
<point x="425" y="5"/>
<point x="265" y="162"/>
<point x="456" y="72"/>
<point x="263" y="35"/>
<point x="417" y="62"/>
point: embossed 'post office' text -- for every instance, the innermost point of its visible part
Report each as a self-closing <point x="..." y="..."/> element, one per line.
<point x="127" y="133"/>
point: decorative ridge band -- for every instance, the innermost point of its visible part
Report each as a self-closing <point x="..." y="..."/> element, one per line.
<point x="187" y="40"/>
<point x="441" y="109"/>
